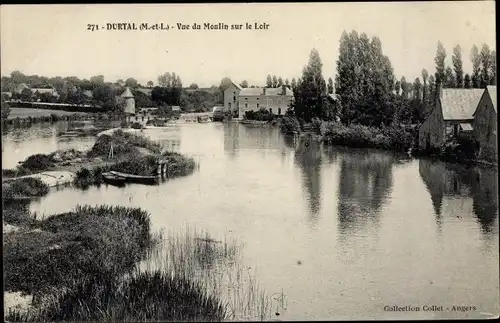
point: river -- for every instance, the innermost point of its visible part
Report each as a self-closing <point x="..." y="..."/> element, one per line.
<point x="343" y="233"/>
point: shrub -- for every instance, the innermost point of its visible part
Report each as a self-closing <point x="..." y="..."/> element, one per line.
<point x="355" y="135"/>
<point x="461" y="149"/>
<point x="136" y="125"/>
<point x="289" y="125"/>
<point x="37" y="162"/>
<point x="24" y="187"/>
<point x="260" y="115"/>
<point x="124" y="144"/>
<point x="15" y="172"/>
<point x="124" y="124"/>
<point x="88" y="243"/>
<point x="54" y="117"/>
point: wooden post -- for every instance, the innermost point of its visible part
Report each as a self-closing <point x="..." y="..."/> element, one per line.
<point x="163" y="168"/>
<point x="158" y="170"/>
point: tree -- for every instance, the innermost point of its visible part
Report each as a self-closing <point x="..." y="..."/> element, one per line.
<point x="449" y="78"/>
<point x="5" y="110"/>
<point x="287" y="83"/>
<point x="417" y="87"/>
<point x="397" y="87"/>
<point x="364" y="81"/>
<point x="432" y="91"/>
<point x="311" y="91"/>
<point x="440" y="66"/>
<point x="458" y="66"/>
<point x="97" y="80"/>
<point x="193" y="86"/>
<point x="120" y="82"/>
<point x="493" y="68"/>
<point x="425" y="75"/>
<point x="330" y="85"/>
<point x="404" y="88"/>
<point x="280" y="82"/>
<point x="467" y="81"/>
<point x="476" y="66"/>
<point x="293" y="84"/>
<point x="269" y="81"/>
<point x="244" y="84"/>
<point x="131" y="82"/>
<point x="225" y="83"/>
<point x="485" y="56"/>
<point x="275" y="81"/>
<point x="150" y="84"/>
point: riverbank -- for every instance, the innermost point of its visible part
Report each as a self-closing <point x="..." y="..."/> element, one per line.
<point x="401" y="138"/>
<point x="117" y="151"/>
<point x="88" y="257"/>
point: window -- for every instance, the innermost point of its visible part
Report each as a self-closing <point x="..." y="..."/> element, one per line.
<point x="234" y="97"/>
<point x="229" y="105"/>
<point x="271" y="110"/>
<point x="246" y="105"/>
<point x="246" y="99"/>
<point x="257" y="106"/>
<point x="279" y="111"/>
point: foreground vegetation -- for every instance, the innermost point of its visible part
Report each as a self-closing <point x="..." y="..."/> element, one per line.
<point x="83" y="265"/>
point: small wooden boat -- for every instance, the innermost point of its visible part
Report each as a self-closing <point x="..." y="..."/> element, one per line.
<point x="140" y="179"/>
<point x="113" y="179"/>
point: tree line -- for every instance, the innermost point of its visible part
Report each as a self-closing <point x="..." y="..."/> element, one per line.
<point x="367" y="91"/>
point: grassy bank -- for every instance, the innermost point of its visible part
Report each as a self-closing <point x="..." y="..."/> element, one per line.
<point x="132" y="153"/>
<point x="82" y="266"/>
<point x="24" y="188"/>
<point x="397" y="138"/>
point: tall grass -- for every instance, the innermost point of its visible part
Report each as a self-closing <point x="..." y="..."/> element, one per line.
<point x="217" y="266"/>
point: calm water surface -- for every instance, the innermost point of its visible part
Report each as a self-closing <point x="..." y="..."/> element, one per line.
<point x="371" y="229"/>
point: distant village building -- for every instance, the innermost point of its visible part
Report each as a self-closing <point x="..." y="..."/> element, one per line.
<point x="23" y="86"/>
<point x="129" y="108"/>
<point x="275" y="100"/>
<point x="452" y="116"/>
<point x="485" y="124"/>
<point x="231" y="98"/>
<point x="238" y="100"/>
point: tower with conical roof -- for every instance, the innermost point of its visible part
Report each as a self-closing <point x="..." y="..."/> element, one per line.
<point x="129" y="108"/>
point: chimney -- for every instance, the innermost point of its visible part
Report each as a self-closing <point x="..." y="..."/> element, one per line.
<point x="283" y="89"/>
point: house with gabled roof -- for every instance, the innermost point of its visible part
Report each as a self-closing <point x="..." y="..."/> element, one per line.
<point x="452" y="116"/>
<point x="231" y="98"/>
<point x="275" y="100"/>
<point x="485" y="124"/>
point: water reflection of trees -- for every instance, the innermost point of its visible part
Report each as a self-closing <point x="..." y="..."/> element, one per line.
<point x="308" y="156"/>
<point x="445" y="181"/>
<point x="364" y="183"/>
<point x="238" y="137"/>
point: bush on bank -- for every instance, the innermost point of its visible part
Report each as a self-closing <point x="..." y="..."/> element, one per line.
<point x="87" y="243"/>
<point x="124" y="144"/>
<point x="24" y="187"/>
<point x="360" y="136"/>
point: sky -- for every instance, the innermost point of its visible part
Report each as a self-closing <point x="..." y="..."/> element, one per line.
<point x="54" y="40"/>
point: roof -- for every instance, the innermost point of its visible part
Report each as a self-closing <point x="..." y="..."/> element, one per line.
<point x="257" y="91"/>
<point x="43" y="90"/>
<point x="145" y="91"/>
<point x="237" y="85"/>
<point x="492" y="90"/>
<point x="466" y="126"/>
<point x="460" y="104"/>
<point x="127" y="93"/>
<point x="176" y="108"/>
<point x="88" y="93"/>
